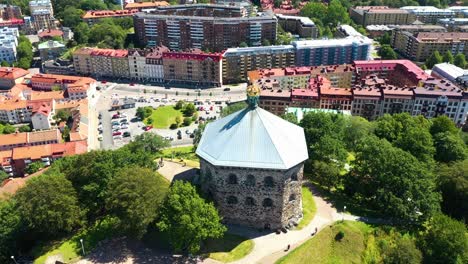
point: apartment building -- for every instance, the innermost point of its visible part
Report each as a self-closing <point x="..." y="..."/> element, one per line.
<point x="201" y="26"/>
<point x="194" y="68"/>
<point x="42" y="15"/>
<point x="448" y="71"/>
<point x="420" y="46"/>
<point x="9" y="76"/>
<point x="237" y="62"/>
<point x="92" y="17"/>
<point x="14" y="111"/>
<point x="302" y="26"/>
<point x="75" y="87"/>
<point x="15" y="140"/>
<point x="10" y="12"/>
<point x="8" y="44"/>
<point x="101" y="62"/>
<point x="51" y="50"/>
<point x="429" y="14"/>
<point x="381" y="15"/>
<point x="141" y="6"/>
<point x="147" y="64"/>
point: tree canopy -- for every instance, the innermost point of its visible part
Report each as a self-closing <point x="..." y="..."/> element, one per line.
<point x="188" y="219"/>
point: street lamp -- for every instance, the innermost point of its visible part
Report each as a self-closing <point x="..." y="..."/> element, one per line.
<point x="342" y="215"/>
<point x="14" y="260"/>
<point x="82" y="246"/>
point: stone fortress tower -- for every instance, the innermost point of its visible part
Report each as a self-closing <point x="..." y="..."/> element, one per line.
<point x="251" y="164"/>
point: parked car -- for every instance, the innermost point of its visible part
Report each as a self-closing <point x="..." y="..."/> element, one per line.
<point x="115" y="116"/>
<point x="100" y="116"/>
<point x="126" y="134"/>
<point x="192" y="135"/>
<point x="116" y="127"/>
<point x="132" y="84"/>
<point x="179" y="136"/>
<point x="187" y="132"/>
<point x="123" y="116"/>
<point x="100" y="137"/>
<point x="115" y="123"/>
<point x="147" y="128"/>
<point x="124" y="126"/>
<point x="123" y="120"/>
<point x="118" y="137"/>
<point x="99" y="127"/>
<point x="227" y="89"/>
<point x="117" y="133"/>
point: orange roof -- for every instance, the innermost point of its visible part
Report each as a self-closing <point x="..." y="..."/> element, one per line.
<point x="32" y="152"/>
<point x="9" y="105"/>
<point x="50" y="33"/>
<point x="15" y="138"/>
<point x="45" y="135"/>
<point x="57" y="95"/>
<point x="4" y="155"/>
<point x="146" y="4"/>
<point x="109" y="13"/>
<point x="12" y="73"/>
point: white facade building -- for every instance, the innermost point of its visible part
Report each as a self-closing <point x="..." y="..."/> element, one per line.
<point x="8" y="44"/>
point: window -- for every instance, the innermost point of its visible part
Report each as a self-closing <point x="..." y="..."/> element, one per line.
<point x="249" y="201"/>
<point x="268" y="181"/>
<point x="232" y="179"/>
<point x="250" y="180"/>
<point x="292" y="197"/>
<point x="267" y="202"/>
<point x="294" y="177"/>
<point x="232" y="200"/>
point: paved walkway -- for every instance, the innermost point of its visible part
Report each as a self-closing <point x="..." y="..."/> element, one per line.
<point x="270" y="247"/>
<point x="173" y="170"/>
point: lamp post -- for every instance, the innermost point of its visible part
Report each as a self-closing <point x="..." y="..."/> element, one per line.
<point x="14" y="260"/>
<point x="342" y="215"/>
<point x="82" y="246"/>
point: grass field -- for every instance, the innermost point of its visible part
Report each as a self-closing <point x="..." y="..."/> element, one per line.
<point x="182" y="155"/>
<point x="325" y="248"/>
<point x="308" y="206"/>
<point x="163" y="117"/>
<point x="229" y="248"/>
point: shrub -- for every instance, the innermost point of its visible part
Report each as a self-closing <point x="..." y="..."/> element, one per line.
<point x="339" y="236"/>
<point x="173" y="126"/>
<point x="187" y="121"/>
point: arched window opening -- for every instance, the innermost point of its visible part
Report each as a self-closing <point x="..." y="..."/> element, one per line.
<point x="267" y="202"/>
<point x="232" y="200"/>
<point x="232" y="179"/>
<point x="268" y="181"/>
<point x="249" y="201"/>
<point x="250" y="180"/>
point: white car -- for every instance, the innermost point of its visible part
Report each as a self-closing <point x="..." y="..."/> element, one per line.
<point x="123" y="116"/>
<point x="99" y="127"/>
<point x="116" y="127"/>
<point x="123" y="127"/>
<point x="117" y="137"/>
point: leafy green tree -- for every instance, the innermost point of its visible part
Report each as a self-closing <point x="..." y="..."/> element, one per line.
<point x="434" y="59"/>
<point x="179" y="105"/>
<point x="449" y="147"/>
<point x="385" y="39"/>
<point x="418" y="142"/>
<point x="4" y="64"/>
<point x="144" y="112"/>
<point x="453" y="183"/>
<point x="34" y="167"/>
<point x="81" y="33"/>
<point x="106" y="34"/>
<point x="315" y="10"/>
<point x="392" y="182"/>
<point x="188" y="219"/>
<point x="72" y="17"/>
<point x="403" y="252"/>
<point x="317" y="125"/>
<point x="326" y="173"/>
<point x="24" y="128"/>
<point x="187" y="121"/>
<point x="48" y="205"/>
<point x="148" y="142"/>
<point x="290" y="117"/>
<point x="266" y="42"/>
<point x="328" y="149"/>
<point x="10" y="225"/>
<point x="8" y="129"/>
<point x="445" y="241"/>
<point x="243" y="45"/>
<point x="442" y="124"/>
<point x="356" y="128"/>
<point x="386" y="52"/>
<point x="135" y="195"/>
<point x="189" y="109"/>
<point x="460" y="60"/>
<point x="24" y="52"/>
<point x="92" y="5"/>
<point x="66" y="133"/>
<point x="3" y="176"/>
<point x="448" y="57"/>
<point x="198" y="134"/>
<point x="233" y="108"/>
<point x="62" y="115"/>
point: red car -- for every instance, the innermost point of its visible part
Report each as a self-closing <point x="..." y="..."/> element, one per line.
<point x="115" y="116"/>
<point x="103" y="82"/>
<point x="211" y="108"/>
<point x="132" y="84"/>
<point x="146" y="128"/>
<point x="117" y="133"/>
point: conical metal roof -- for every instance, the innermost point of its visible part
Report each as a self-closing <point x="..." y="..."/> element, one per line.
<point x="253" y="138"/>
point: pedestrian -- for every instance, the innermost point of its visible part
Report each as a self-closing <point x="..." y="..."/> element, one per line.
<point x="289" y="246"/>
<point x="316" y="230"/>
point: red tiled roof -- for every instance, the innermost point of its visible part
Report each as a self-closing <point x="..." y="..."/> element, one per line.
<point x="12" y="73"/>
<point x="109" y="13"/>
<point x="50" y="33"/>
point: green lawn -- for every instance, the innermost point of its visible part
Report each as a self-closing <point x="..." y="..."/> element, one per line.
<point x="164" y="116"/>
<point x="229" y="248"/>
<point x="182" y="155"/>
<point x="324" y="248"/>
<point x="70" y="249"/>
<point x="308" y="208"/>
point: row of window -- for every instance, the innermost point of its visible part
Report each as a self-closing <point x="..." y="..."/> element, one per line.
<point x="268" y="181"/>
<point x="250" y="201"/>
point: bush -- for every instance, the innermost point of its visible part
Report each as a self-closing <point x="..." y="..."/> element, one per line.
<point x="179" y="105"/>
<point x="339" y="236"/>
<point x="174" y="126"/>
<point x="187" y="121"/>
<point x="150" y="120"/>
<point x="24" y="128"/>
<point x="34" y="167"/>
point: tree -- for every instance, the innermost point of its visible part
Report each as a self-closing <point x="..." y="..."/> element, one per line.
<point x="460" y="60"/>
<point x="71" y="17"/>
<point x="4" y="63"/>
<point x="355" y="129"/>
<point x="290" y="117"/>
<point x="148" y="142"/>
<point x="453" y="183"/>
<point x="188" y="219"/>
<point x="198" y="134"/>
<point x="3" y="176"/>
<point x="418" y="142"/>
<point x="66" y="134"/>
<point x="315" y="10"/>
<point x="81" y="33"/>
<point x="392" y="182"/>
<point x="144" y="112"/>
<point x="178" y="120"/>
<point x="24" y="52"/>
<point x="266" y="42"/>
<point x="106" y="34"/>
<point x="62" y="115"/>
<point x="386" y="52"/>
<point x="135" y="195"/>
<point x="448" y="57"/>
<point x="24" y="128"/>
<point x="326" y="173"/>
<point x="385" y="39"/>
<point x="442" y="124"/>
<point x="404" y="251"/>
<point x="233" y="108"/>
<point x="189" y="109"/>
<point x="449" y="147"/>
<point x="179" y="105"/>
<point x="434" y="59"/>
<point x="10" y="224"/>
<point x="92" y="5"/>
<point x="8" y="129"/>
<point x="187" y="121"/>
<point x="445" y="241"/>
<point x="328" y="149"/>
<point x="48" y="205"/>
<point x="34" y="167"/>
<point x="243" y="45"/>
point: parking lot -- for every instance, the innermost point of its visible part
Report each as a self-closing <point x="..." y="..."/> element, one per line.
<point x="117" y="136"/>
